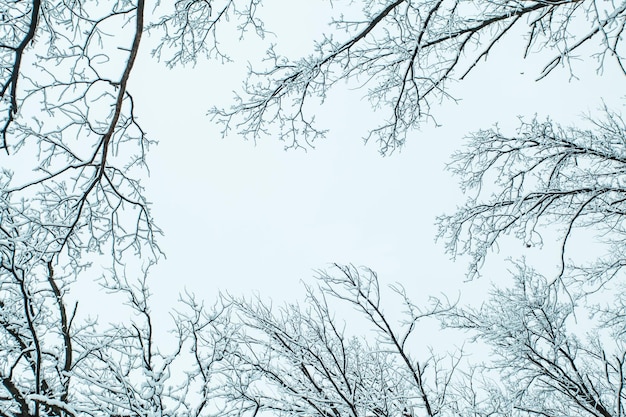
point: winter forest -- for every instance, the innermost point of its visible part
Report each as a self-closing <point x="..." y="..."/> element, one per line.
<point x="365" y="208"/>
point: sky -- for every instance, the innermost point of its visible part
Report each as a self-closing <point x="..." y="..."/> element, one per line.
<point x="246" y="217"/>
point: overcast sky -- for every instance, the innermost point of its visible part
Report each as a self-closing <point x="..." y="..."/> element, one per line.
<point x="240" y="216"/>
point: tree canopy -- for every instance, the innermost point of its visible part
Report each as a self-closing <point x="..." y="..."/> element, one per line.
<point x="73" y="157"/>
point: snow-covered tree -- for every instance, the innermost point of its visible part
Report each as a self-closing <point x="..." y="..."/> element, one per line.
<point x="545" y="178"/>
<point x="552" y="352"/>
<point x="557" y="339"/>
<point x="72" y="156"/>
<point x="71" y="202"/>
<point x="304" y="360"/>
<point x="404" y="54"/>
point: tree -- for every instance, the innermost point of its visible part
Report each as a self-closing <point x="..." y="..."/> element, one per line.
<point x="300" y="360"/>
<point x="405" y="53"/>
<point x="73" y="156"/>
<point x="543" y="362"/>
<point x="545" y="175"/>
<point x="558" y="340"/>
<point x="77" y="198"/>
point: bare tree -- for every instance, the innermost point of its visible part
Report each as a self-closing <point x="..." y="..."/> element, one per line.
<point x="543" y="362"/>
<point x="557" y="341"/>
<point x="301" y="360"/>
<point x="533" y="354"/>
<point x="544" y="176"/>
<point x="67" y="120"/>
<point x="404" y="53"/>
<point x="53" y="365"/>
<point x="73" y="156"/>
<point x="73" y="149"/>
